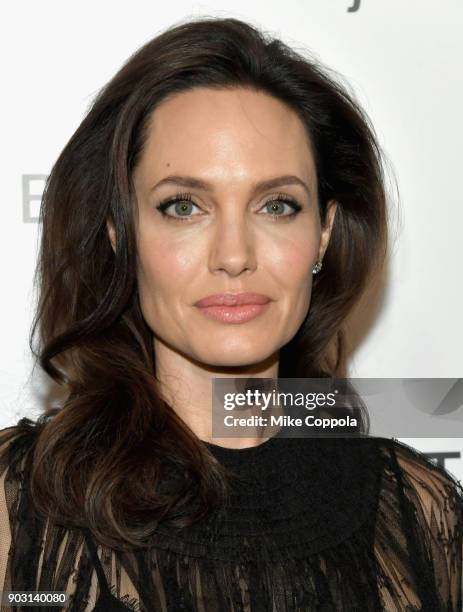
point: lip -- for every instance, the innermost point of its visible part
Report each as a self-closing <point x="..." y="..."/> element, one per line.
<point x="233" y="307"/>
<point x="233" y="299"/>
<point x="234" y="314"/>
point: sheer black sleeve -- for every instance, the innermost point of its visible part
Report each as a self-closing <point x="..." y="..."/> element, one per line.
<point x="419" y="538"/>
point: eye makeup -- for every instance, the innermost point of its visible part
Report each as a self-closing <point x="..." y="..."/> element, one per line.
<point x="187" y="197"/>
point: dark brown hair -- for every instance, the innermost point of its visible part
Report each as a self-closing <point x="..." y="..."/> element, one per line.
<point x="99" y="455"/>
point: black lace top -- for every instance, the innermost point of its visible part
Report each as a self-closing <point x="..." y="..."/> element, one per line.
<point x="334" y="524"/>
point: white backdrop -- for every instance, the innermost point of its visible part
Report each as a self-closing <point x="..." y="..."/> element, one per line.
<point x="402" y="59"/>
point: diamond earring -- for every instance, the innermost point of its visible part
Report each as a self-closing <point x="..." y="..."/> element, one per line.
<point x="317" y="267"/>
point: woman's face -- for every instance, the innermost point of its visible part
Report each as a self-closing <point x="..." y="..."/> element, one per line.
<point x="227" y="237"/>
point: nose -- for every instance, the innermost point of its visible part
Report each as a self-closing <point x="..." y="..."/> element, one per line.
<point x="233" y="246"/>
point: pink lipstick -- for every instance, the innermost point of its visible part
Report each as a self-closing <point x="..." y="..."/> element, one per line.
<point x="233" y="307"/>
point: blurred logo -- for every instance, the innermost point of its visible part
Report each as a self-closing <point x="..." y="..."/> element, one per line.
<point x="355" y="7"/>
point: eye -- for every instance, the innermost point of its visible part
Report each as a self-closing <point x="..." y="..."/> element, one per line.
<point x="278" y="203"/>
<point x="184" y="202"/>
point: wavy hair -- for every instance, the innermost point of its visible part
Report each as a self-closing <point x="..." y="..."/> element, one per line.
<point x="102" y="456"/>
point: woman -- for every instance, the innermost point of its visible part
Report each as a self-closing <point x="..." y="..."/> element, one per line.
<point x="216" y="161"/>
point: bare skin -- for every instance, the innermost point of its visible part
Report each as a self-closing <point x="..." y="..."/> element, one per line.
<point x="228" y="238"/>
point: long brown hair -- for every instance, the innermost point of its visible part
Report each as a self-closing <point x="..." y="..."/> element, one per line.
<point x="99" y="456"/>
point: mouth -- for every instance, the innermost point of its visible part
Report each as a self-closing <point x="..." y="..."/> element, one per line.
<point x="233" y="308"/>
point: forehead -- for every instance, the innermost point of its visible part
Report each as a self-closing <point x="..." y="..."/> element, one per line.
<point x="229" y="133"/>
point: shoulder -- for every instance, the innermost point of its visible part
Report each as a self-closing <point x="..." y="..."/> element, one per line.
<point x="432" y="494"/>
<point x="16" y="444"/>
<point x="411" y="485"/>
<point x="417" y="471"/>
<point x="421" y="524"/>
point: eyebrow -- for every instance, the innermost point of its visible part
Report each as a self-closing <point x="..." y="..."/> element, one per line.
<point x="195" y="183"/>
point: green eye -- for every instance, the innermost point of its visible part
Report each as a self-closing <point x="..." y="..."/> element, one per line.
<point x="277" y="205"/>
<point x="182" y="207"/>
<point x="183" y="204"/>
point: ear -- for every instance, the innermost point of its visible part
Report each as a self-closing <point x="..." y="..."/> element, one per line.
<point x="326" y="228"/>
<point x="111" y="234"/>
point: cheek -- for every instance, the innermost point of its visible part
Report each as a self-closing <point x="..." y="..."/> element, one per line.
<point x="291" y="266"/>
<point x="164" y="269"/>
<point x="290" y="261"/>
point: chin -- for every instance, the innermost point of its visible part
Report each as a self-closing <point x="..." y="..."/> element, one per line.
<point x="235" y="358"/>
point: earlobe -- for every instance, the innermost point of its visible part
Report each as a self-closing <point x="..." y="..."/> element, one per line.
<point x="111" y="234"/>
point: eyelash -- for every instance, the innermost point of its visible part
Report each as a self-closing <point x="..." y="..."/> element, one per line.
<point x="179" y="197"/>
